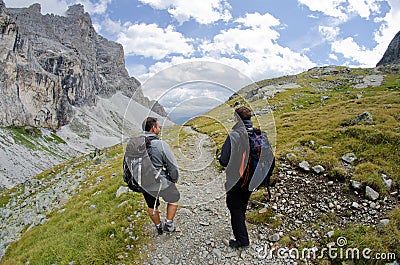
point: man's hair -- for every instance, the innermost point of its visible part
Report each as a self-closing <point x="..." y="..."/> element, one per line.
<point x="148" y="123"/>
<point x="244" y="113"/>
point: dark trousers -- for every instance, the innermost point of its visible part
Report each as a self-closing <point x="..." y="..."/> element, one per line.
<point x="236" y="200"/>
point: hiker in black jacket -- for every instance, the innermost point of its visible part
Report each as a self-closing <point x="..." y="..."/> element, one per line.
<point x="234" y="149"/>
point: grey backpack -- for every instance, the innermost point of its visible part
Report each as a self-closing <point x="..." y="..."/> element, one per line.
<point x="138" y="170"/>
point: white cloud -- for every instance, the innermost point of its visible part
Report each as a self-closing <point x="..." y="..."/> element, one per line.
<point x="49" y="6"/>
<point x="330" y="33"/>
<point x="136" y="70"/>
<point x="254" y="49"/>
<point x="344" y="9"/>
<point x="203" y="11"/>
<point x="390" y="26"/>
<point x="149" y="40"/>
<point x="99" y="7"/>
<point x="251" y="48"/>
<point x="351" y="50"/>
<point x="258" y="36"/>
<point x="364" y="8"/>
<point x="331" y="8"/>
<point x="59" y="7"/>
<point x="257" y="20"/>
<point x="110" y="26"/>
<point x="179" y="72"/>
<point x="333" y="57"/>
<point x="370" y="57"/>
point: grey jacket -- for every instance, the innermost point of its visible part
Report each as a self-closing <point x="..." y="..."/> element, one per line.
<point x="163" y="157"/>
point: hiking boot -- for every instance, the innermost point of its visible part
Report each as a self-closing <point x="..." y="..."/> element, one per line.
<point x="237" y="245"/>
<point x="159" y="228"/>
<point x="169" y="226"/>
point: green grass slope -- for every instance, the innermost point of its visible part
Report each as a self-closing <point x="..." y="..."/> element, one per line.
<point x="312" y="121"/>
<point x="315" y="122"/>
<point x="93" y="227"/>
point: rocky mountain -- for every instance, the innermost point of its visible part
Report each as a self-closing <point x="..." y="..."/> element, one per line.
<point x="392" y="54"/>
<point x="50" y="64"/>
<point x="64" y="91"/>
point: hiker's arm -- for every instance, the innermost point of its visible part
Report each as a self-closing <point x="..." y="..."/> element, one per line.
<point x="225" y="152"/>
<point x="171" y="164"/>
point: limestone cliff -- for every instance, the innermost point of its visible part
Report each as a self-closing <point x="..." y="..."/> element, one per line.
<point x="50" y="63"/>
<point x="392" y="54"/>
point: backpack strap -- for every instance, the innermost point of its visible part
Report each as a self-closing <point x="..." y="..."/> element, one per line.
<point x="140" y="172"/>
<point x="148" y="140"/>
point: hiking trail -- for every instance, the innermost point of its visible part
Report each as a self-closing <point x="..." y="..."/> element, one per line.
<point x="202" y="219"/>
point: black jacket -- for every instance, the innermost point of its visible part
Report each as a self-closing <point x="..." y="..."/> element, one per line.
<point x="236" y="143"/>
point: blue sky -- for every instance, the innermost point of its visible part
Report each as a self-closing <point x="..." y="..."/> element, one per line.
<point x="261" y="39"/>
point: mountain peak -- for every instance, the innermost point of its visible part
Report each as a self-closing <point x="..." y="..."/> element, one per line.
<point x="36" y="8"/>
<point x="392" y="54"/>
<point x="61" y="62"/>
<point x="76" y="10"/>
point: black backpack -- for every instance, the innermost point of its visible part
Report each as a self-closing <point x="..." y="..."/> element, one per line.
<point x="138" y="170"/>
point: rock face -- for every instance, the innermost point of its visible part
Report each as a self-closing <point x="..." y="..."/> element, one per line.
<point x="50" y="63"/>
<point x="392" y="54"/>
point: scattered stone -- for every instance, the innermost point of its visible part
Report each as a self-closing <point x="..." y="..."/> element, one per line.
<point x="217" y="252"/>
<point x="364" y="117"/>
<point x="93" y="207"/>
<point x="331" y="234"/>
<point x="274" y="237"/>
<point x="349" y="158"/>
<point x="304" y="165"/>
<point x="204" y="223"/>
<point x="355" y="205"/>
<point x="387" y="182"/>
<point x="290" y="156"/>
<point x="383" y="222"/>
<point x="318" y="169"/>
<point x="355" y="184"/>
<point x="371" y="194"/>
<point x="226" y="242"/>
<point x="165" y="260"/>
<point x="121" y="190"/>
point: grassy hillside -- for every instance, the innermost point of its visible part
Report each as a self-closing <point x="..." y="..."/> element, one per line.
<point x="93" y="227"/>
<point x="315" y="121"/>
<point x="312" y="120"/>
<point x="305" y="122"/>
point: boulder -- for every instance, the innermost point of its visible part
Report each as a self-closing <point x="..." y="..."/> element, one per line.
<point x="121" y="190"/>
<point x="364" y="117"/>
<point x="371" y="194"/>
<point x="349" y="158"/>
<point x="304" y="165"/>
<point x="318" y="169"/>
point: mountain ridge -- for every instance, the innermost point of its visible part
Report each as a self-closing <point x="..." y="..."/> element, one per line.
<point x="392" y="53"/>
<point x="51" y="63"/>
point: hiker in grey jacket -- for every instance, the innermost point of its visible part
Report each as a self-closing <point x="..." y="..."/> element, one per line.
<point x="162" y="159"/>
